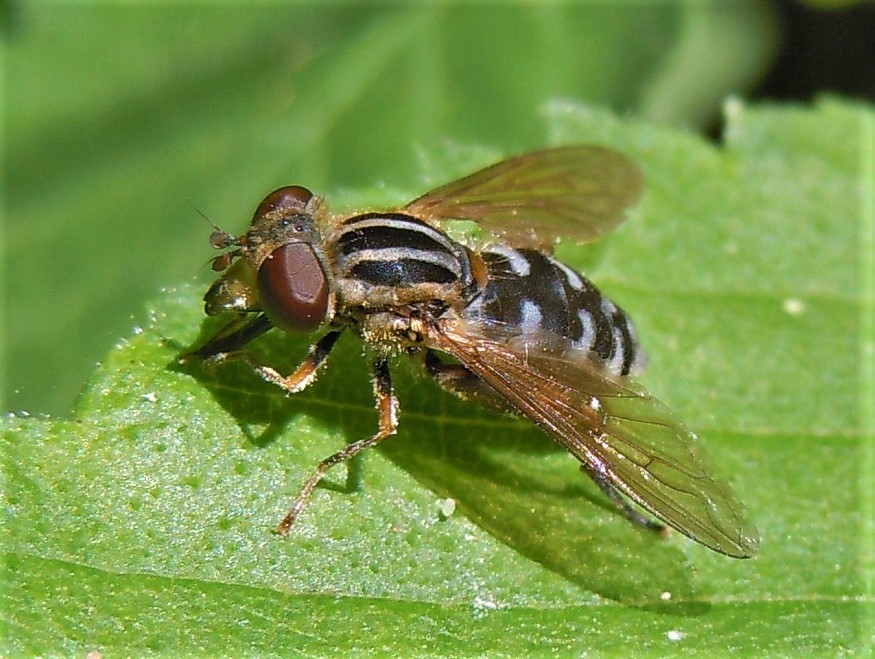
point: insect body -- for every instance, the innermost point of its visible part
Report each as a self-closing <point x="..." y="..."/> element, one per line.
<point x="528" y="334"/>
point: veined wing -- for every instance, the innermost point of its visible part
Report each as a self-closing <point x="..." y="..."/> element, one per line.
<point x="617" y="429"/>
<point x="531" y="200"/>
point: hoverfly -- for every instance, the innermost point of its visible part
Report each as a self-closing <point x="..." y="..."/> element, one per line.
<point x="526" y="334"/>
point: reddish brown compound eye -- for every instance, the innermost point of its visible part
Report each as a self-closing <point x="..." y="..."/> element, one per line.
<point x="289" y="199"/>
<point x="293" y="288"/>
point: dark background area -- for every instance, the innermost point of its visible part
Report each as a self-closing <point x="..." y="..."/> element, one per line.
<point x="823" y="51"/>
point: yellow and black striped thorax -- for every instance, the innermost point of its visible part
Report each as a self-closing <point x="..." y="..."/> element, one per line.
<point x="386" y="259"/>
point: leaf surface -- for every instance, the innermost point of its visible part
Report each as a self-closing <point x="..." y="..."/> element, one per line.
<point x="143" y="525"/>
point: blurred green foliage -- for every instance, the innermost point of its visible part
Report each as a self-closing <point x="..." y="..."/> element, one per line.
<point x="121" y="120"/>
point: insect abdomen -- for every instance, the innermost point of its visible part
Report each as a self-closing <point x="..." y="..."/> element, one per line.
<point x="529" y="292"/>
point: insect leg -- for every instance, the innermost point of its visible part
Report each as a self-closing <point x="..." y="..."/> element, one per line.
<point x="622" y="505"/>
<point x="387" y="405"/>
<point x="458" y="380"/>
<point x="301" y="378"/>
<point x="232" y="336"/>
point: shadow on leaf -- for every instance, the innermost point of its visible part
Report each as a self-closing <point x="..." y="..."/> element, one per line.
<point x="504" y="474"/>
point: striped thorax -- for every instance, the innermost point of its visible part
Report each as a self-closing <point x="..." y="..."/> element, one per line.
<point x="390" y="260"/>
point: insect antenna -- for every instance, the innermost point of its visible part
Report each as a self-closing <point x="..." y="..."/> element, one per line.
<point x="220" y="239"/>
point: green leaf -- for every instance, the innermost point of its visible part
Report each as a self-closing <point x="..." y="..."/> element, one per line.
<point x="144" y="524"/>
<point x="124" y="118"/>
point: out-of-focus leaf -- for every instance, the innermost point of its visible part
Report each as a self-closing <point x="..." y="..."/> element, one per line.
<point x="121" y="120"/>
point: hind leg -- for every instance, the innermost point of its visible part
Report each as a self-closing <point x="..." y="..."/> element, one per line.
<point x="457" y="379"/>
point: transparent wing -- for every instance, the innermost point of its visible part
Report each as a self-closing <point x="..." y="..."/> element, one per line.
<point x="578" y="192"/>
<point x="617" y="429"/>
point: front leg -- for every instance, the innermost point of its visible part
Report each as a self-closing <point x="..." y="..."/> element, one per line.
<point x="300" y="379"/>
<point x="387" y="405"/>
<point x="233" y="336"/>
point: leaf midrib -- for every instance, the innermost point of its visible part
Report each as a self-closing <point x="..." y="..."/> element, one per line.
<point x="464" y="605"/>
